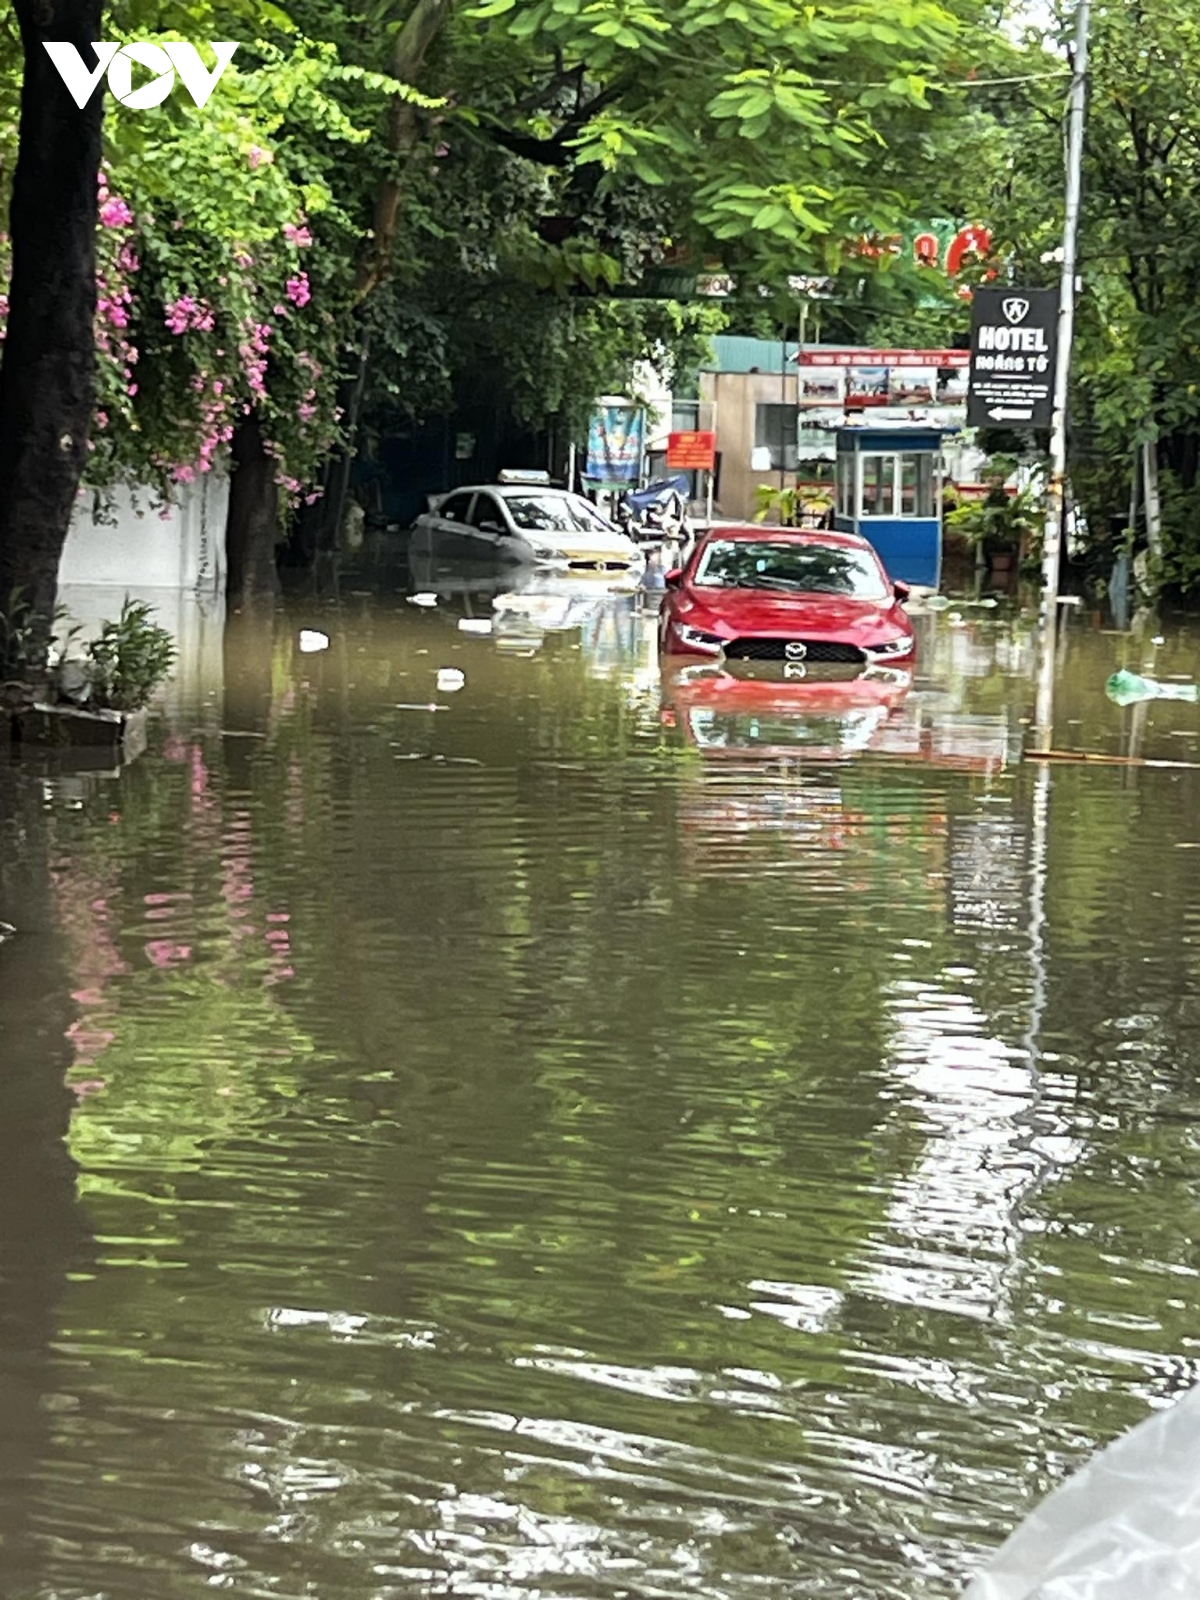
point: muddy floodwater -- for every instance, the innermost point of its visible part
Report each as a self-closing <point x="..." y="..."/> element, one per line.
<point x="476" y="1120"/>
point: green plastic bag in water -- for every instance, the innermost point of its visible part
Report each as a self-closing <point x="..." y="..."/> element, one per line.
<point x="1127" y="688"/>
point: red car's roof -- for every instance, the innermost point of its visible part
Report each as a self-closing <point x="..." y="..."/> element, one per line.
<point x="853" y="541"/>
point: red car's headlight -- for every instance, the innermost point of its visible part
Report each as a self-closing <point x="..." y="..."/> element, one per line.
<point x="891" y="649"/>
<point x="697" y="639"/>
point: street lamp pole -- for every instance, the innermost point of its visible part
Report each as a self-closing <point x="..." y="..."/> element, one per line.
<point x="1056" y="498"/>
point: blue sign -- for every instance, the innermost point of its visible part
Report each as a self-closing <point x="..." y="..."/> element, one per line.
<point x="616" y="443"/>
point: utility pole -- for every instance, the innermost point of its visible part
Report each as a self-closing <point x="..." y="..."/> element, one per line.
<point x="1056" y="499"/>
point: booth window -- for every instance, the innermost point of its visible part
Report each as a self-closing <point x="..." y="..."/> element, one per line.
<point x="845" y="486"/>
<point x="898" y="485"/>
<point x="916" y="484"/>
<point x="878" y="486"/>
<point x="776" y="428"/>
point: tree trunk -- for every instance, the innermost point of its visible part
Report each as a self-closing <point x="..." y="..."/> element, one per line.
<point x="48" y="375"/>
<point x="421" y="27"/>
<point x="252" y="528"/>
<point x="334" y="503"/>
<point x="318" y="526"/>
<point x="317" y="532"/>
<point x="1153" y="500"/>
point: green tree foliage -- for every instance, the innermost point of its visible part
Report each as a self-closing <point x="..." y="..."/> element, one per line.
<point x="577" y="149"/>
<point x="489" y="185"/>
<point x="1137" y="359"/>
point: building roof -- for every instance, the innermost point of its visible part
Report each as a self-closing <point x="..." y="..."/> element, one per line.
<point x="737" y="354"/>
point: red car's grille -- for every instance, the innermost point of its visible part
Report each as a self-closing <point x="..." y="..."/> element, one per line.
<point x="819" y="650"/>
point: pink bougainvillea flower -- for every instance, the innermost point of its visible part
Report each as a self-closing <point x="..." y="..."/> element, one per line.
<point x="115" y="213"/>
<point x="258" y="157"/>
<point x="298" y="290"/>
<point x="168" y="952"/>
<point x="89" y="1086"/>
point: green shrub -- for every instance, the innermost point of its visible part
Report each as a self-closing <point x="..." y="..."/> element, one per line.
<point x="130" y="659"/>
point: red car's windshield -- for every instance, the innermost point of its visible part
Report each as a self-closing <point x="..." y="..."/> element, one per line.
<point x="790" y="566"/>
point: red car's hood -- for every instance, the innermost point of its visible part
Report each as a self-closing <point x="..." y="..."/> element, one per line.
<point x="736" y="611"/>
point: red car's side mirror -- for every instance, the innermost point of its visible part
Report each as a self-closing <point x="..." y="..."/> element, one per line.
<point x="901" y="591"/>
<point x="674" y="578"/>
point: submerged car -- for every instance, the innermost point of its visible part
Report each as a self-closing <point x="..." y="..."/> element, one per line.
<point x="518" y="606"/>
<point x="745" y="710"/>
<point x="782" y="594"/>
<point x="524" y="521"/>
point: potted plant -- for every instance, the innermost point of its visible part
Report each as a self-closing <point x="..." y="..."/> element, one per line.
<point x="1001" y="524"/>
<point x="98" y="699"/>
<point x="795" y="508"/>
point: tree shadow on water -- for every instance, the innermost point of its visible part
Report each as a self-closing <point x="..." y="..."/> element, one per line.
<point x="44" y="1235"/>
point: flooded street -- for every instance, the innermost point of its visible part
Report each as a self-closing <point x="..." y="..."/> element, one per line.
<point x="554" y="1134"/>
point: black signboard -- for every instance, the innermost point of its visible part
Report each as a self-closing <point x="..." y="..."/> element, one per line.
<point x="1014" y="334"/>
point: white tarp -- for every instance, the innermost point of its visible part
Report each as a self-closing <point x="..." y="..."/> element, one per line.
<point x="1125" y="1527"/>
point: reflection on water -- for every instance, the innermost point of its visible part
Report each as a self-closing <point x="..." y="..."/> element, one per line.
<point x="576" y="1135"/>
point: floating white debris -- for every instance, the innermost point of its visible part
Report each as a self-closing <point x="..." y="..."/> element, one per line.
<point x="474" y="625"/>
<point x="423" y="599"/>
<point x="1158" y="639"/>
<point x="7" y="931"/>
<point x="342" y="1323"/>
<point x="312" y="642"/>
<point x="450" y="680"/>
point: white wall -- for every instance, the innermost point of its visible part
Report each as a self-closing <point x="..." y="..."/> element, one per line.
<point x="656" y="392"/>
<point x="144" y="550"/>
<point x="175" y="564"/>
<point x="195" y="621"/>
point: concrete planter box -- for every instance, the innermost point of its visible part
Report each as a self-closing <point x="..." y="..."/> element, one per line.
<point x="109" y="737"/>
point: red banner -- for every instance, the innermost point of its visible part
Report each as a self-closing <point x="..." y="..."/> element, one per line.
<point x="691" y="452"/>
<point x="846" y="356"/>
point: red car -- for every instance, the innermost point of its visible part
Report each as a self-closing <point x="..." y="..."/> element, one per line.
<point x="782" y="594"/>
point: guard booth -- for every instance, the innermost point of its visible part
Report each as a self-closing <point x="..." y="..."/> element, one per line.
<point x="889" y="489"/>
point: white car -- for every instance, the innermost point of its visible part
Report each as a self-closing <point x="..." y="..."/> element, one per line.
<point x="524" y="522"/>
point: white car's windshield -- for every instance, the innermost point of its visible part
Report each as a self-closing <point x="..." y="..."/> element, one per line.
<point x="791" y="567"/>
<point x="554" y="513"/>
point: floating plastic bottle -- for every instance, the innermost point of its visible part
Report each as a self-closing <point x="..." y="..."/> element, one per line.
<point x="1123" y="1528"/>
<point x="1127" y="688"/>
